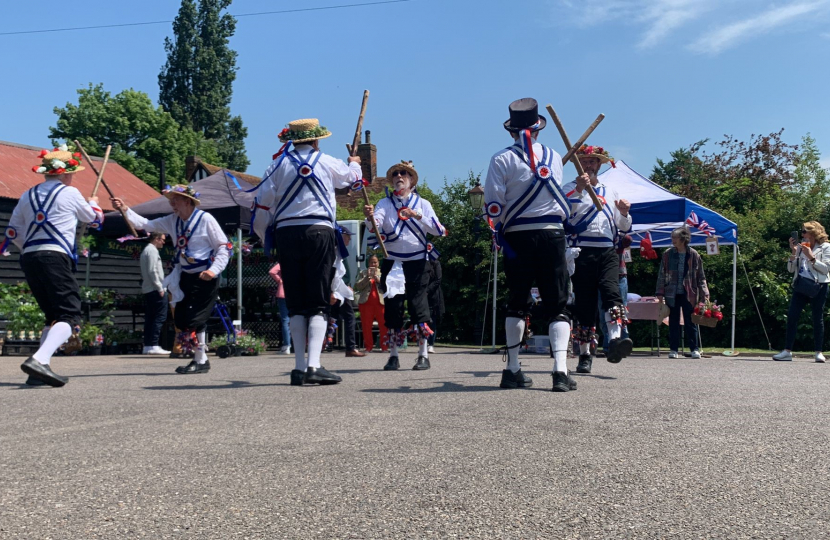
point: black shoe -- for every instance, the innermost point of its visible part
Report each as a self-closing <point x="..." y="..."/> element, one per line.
<point x="584" y="365"/>
<point x="194" y="367"/>
<point x="619" y="349"/>
<point x="562" y="382"/>
<point x="515" y="380"/>
<point x="571" y="383"/>
<point x="421" y="364"/>
<point x="392" y="364"/>
<point x="42" y="372"/>
<point x="321" y="375"/>
<point x="297" y="377"/>
<point x="31" y="381"/>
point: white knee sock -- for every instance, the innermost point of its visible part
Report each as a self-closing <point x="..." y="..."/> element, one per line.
<point x="422" y="348"/>
<point x="614" y="329"/>
<point x="393" y="347"/>
<point x="559" y="332"/>
<point x="515" y="329"/>
<point x="58" y="335"/>
<point x="317" y="327"/>
<point x="200" y="355"/>
<point x="298" y="326"/>
<point x="44" y="334"/>
<point x="584" y="348"/>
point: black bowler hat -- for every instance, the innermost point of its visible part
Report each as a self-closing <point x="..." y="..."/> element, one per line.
<point x="524" y="113"/>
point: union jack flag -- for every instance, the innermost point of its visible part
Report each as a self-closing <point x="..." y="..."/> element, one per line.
<point x="697" y="223"/>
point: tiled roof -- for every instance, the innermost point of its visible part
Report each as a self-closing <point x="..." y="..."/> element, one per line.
<point x="213" y="169"/>
<point x="16" y="176"/>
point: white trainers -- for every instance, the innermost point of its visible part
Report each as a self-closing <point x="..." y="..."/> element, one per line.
<point x="285" y="350"/>
<point x="155" y="349"/>
<point x="430" y="349"/>
<point x="820" y="358"/>
<point x="695" y="354"/>
<point x="673" y="354"/>
<point x="783" y="356"/>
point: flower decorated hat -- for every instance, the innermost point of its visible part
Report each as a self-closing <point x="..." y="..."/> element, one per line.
<point x="403" y="166"/>
<point x="598" y="152"/>
<point x="304" y="130"/>
<point x="182" y="190"/>
<point x="58" y="161"/>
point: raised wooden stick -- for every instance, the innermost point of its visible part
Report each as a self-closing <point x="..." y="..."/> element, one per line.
<point x="101" y="177"/>
<point x="571" y="154"/>
<point x="353" y="152"/>
<point x="97" y="183"/>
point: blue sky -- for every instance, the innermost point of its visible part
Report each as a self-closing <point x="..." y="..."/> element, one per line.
<point x="441" y="73"/>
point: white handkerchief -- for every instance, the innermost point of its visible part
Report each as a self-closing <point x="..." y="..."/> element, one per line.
<point x="395" y="282"/>
<point x="171" y="283"/>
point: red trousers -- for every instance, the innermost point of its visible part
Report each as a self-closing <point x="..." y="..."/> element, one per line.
<point x="370" y="311"/>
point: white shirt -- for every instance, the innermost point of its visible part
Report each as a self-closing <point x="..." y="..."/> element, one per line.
<point x="287" y="201"/>
<point x="508" y="179"/>
<point x="603" y="231"/>
<point x="68" y="208"/>
<point x="206" y="237"/>
<point x="406" y="240"/>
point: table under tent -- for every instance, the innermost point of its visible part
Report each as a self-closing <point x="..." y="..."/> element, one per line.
<point x="657" y="212"/>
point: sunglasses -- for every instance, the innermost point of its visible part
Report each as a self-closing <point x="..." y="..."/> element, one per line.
<point x="804" y="231"/>
<point x="400" y="173"/>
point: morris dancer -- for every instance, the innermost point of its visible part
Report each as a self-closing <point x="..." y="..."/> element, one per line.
<point x="404" y="220"/>
<point x="296" y="201"/>
<point x="530" y="212"/>
<point x="43" y="226"/>
<point x="202" y="252"/>
<point x="598" y="265"/>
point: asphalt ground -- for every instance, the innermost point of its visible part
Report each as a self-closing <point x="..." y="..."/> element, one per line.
<point x="649" y="448"/>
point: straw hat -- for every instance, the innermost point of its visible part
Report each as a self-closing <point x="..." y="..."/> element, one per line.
<point x="304" y="130"/>
<point x="403" y="166"/>
<point x="58" y="161"/>
<point x="598" y="152"/>
<point x="183" y="191"/>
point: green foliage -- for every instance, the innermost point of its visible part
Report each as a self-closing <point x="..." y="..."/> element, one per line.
<point x="141" y="134"/>
<point x="18" y="306"/>
<point x="196" y="82"/>
<point x="89" y="335"/>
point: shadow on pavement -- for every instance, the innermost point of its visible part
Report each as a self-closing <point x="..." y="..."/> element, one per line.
<point x="229" y="385"/>
<point x="445" y="387"/>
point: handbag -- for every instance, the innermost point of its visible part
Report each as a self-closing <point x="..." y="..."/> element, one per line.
<point x="805" y="285"/>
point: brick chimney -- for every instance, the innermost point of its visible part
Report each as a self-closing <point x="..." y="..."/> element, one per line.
<point x="368" y="153"/>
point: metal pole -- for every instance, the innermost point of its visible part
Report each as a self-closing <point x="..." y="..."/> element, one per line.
<point x="734" y="289"/>
<point x="86" y="278"/>
<point x="239" y="277"/>
<point x="495" y="290"/>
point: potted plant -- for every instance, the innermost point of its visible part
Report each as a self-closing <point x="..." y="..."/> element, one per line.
<point x="707" y="314"/>
<point x="250" y="345"/>
<point x="92" y="338"/>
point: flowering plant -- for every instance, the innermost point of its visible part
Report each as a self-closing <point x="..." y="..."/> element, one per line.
<point x="595" y="151"/>
<point x="709" y="309"/>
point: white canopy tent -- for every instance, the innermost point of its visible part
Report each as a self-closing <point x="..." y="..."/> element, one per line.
<point x="657" y="211"/>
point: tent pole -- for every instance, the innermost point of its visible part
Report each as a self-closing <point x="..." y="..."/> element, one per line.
<point x="239" y="277"/>
<point x="734" y="289"/>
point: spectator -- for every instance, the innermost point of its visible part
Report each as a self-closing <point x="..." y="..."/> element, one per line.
<point x="682" y="284"/>
<point x="370" y="303"/>
<point x="435" y="297"/>
<point x="276" y="275"/>
<point x="155" y="297"/>
<point x="810" y="262"/>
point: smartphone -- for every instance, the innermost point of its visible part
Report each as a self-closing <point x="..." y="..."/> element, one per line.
<point x="794" y="236"/>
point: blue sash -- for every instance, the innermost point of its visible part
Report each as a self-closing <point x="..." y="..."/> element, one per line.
<point x="183" y="233"/>
<point x="399" y="225"/>
<point x="41" y="210"/>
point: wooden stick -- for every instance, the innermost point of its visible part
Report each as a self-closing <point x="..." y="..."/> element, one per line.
<point x="103" y="167"/>
<point x="582" y="139"/>
<point x="571" y="152"/>
<point x="353" y="152"/>
<point x="101" y="175"/>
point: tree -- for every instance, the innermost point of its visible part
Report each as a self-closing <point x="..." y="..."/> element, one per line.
<point x="140" y="133"/>
<point x="196" y="82"/>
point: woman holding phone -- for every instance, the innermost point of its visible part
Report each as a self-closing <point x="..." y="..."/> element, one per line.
<point x="810" y="262"/>
<point x="370" y="302"/>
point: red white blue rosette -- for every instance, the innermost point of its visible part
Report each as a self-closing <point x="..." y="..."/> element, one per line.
<point x="359" y="184"/>
<point x="40" y="217"/>
<point x="383" y="237"/>
<point x="429" y="247"/>
<point x="305" y="170"/>
<point x="229" y="245"/>
<point x="544" y="172"/>
<point x="181" y="242"/>
<point x="494" y="209"/>
<point x="11" y="233"/>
